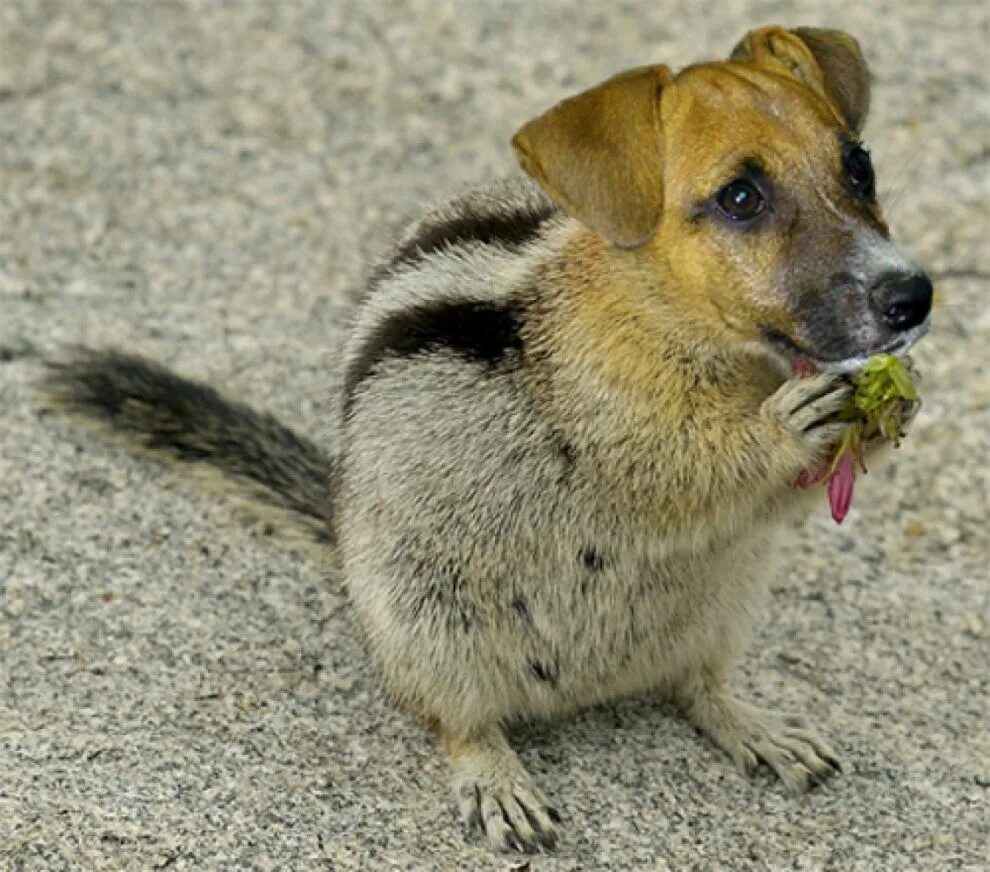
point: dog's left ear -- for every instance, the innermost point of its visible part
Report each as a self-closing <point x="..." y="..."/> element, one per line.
<point x="829" y="61"/>
<point x="598" y="155"/>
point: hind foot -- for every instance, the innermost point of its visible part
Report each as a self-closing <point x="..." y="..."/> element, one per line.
<point x="496" y="795"/>
<point x="751" y="736"/>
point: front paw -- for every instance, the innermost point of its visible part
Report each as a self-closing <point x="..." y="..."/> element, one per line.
<point x="805" y="409"/>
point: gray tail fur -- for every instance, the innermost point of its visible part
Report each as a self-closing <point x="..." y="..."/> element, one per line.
<point x="153" y="408"/>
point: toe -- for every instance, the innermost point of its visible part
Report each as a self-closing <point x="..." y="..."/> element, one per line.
<point x="821" y="751"/>
<point x="516" y="818"/>
<point x="795" y="775"/>
<point x="821" y="767"/>
<point x="501" y="835"/>
<point x="746" y="761"/>
<point x="469" y="806"/>
<point x="541" y="817"/>
<point x="797" y="778"/>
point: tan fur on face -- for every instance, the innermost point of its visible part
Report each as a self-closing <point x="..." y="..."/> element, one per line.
<point x="667" y="329"/>
<point x="783" y="103"/>
<point x="715" y="117"/>
<point x="716" y="286"/>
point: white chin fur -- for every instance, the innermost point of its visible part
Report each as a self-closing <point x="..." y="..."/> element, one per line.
<point x="841" y="367"/>
<point x="855" y="364"/>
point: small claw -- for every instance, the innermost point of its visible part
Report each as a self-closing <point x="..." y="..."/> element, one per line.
<point x="514" y="843"/>
<point x="748" y="763"/>
<point x="547" y="839"/>
<point x="816" y="779"/>
<point x="473" y="822"/>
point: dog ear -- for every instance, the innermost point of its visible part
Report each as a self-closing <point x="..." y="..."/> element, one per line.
<point x="828" y="61"/>
<point x="598" y="155"/>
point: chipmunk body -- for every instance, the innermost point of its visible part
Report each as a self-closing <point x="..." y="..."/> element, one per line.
<point x="543" y="525"/>
<point x="568" y="429"/>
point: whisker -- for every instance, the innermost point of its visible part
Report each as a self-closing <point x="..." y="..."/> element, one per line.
<point x="961" y="265"/>
<point x="897" y="183"/>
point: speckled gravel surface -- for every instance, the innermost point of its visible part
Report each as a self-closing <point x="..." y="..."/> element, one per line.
<point x="206" y="182"/>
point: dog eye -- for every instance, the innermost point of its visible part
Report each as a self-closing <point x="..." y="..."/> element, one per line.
<point x="859" y="168"/>
<point x="740" y="200"/>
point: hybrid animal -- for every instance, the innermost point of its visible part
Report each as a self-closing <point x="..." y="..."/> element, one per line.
<point x="569" y="428"/>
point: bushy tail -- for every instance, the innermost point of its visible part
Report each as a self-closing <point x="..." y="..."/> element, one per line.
<point x="153" y="408"/>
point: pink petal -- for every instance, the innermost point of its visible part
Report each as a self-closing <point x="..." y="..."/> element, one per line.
<point x="840" y="487"/>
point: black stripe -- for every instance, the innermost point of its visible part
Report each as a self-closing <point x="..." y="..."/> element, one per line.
<point x="486" y="333"/>
<point x="512" y="230"/>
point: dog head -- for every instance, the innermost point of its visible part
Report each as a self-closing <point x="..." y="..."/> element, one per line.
<point x="742" y="187"/>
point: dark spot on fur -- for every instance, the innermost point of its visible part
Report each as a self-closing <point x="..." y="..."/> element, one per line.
<point x="521" y="607"/>
<point x="563" y="455"/>
<point x="16" y="351"/>
<point x="566" y="450"/>
<point x="593" y="560"/>
<point x="468" y="224"/>
<point x="544" y="672"/>
<point x="486" y="333"/>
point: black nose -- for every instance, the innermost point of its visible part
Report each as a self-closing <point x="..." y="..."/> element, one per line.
<point x="902" y="301"/>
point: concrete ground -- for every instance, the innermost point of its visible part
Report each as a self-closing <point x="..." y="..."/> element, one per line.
<point x="206" y="182"/>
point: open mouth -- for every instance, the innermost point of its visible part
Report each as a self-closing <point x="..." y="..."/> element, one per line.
<point x="802" y="358"/>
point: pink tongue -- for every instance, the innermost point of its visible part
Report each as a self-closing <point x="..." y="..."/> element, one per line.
<point x="802" y="367"/>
